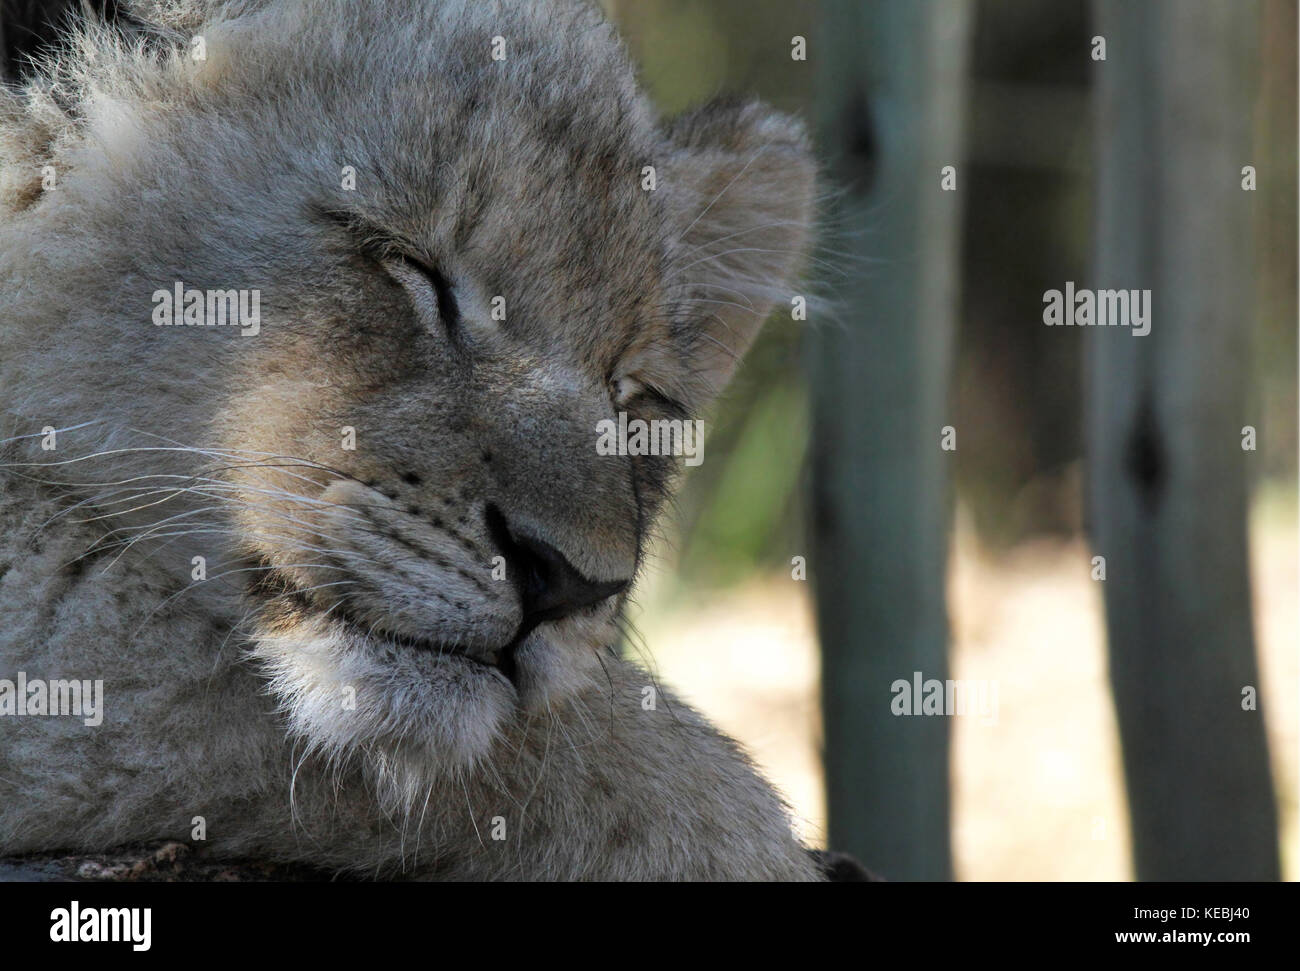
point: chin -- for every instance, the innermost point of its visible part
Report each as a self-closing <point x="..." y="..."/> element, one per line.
<point x="557" y="662"/>
<point x="411" y="713"/>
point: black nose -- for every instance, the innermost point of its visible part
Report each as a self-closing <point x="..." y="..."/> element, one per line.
<point x="548" y="584"/>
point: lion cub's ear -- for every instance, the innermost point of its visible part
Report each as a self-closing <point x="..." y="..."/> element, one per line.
<point x="740" y="185"/>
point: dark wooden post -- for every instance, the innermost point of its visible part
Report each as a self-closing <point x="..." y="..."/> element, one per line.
<point x="1167" y="472"/>
<point x="891" y="103"/>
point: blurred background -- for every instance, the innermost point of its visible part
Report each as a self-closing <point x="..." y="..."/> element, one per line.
<point x="1125" y="743"/>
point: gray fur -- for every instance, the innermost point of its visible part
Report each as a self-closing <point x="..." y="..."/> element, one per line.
<point x="225" y="698"/>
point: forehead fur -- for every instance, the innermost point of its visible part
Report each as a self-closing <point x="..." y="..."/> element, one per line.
<point x="522" y="172"/>
<point x="530" y="162"/>
<point x="335" y="75"/>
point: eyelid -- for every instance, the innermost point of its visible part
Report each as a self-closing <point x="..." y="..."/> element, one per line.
<point x="448" y="310"/>
<point x="664" y="401"/>
<point x="640" y="389"/>
<point x="421" y="290"/>
<point x="625" y="389"/>
<point x="394" y="256"/>
<point x="428" y="289"/>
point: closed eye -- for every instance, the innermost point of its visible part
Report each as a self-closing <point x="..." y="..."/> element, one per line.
<point x="664" y="403"/>
<point x="429" y="289"/>
<point x="625" y="391"/>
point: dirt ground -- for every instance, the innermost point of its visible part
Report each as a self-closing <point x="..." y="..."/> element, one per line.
<point x="1038" y="795"/>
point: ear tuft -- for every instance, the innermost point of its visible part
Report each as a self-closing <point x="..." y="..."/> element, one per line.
<point x="29" y="127"/>
<point x="740" y="188"/>
<point x="737" y="126"/>
<point x="187" y="16"/>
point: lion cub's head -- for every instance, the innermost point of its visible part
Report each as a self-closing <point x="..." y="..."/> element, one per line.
<point x="459" y="241"/>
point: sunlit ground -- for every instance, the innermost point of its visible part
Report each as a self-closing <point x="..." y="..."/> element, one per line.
<point x="1039" y="794"/>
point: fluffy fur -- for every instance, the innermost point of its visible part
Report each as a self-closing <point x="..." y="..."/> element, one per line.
<point x="354" y="686"/>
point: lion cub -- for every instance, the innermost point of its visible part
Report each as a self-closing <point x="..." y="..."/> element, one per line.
<point x="311" y="315"/>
